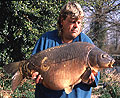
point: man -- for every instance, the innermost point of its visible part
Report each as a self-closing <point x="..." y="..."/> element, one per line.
<point x="69" y="30"/>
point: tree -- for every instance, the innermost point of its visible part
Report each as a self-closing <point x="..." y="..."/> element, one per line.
<point x="101" y="12"/>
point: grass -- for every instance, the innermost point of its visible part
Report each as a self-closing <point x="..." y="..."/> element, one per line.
<point x="25" y="89"/>
<point x="109" y="85"/>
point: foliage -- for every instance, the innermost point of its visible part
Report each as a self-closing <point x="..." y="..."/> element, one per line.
<point x="26" y="89"/>
<point x="22" y="23"/>
<point x="103" y="14"/>
<point x="110" y="87"/>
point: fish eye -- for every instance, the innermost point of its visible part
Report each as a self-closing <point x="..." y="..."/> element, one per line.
<point x="104" y="55"/>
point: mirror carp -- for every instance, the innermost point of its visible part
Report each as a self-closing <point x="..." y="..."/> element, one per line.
<point x="62" y="66"/>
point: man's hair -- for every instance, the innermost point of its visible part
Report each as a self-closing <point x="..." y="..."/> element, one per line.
<point x="71" y="8"/>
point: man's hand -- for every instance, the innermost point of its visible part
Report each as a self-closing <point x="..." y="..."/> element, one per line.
<point x="38" y="78"/>
<point x="92" y="77"/>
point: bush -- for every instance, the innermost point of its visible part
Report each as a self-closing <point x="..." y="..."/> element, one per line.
<point x="109" y="86"/>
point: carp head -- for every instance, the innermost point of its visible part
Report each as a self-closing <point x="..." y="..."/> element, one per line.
<point x="98" y="59"/>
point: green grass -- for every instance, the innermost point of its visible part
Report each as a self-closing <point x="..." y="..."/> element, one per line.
<point x="111" y="88"/>
<point x="25" y="89"/>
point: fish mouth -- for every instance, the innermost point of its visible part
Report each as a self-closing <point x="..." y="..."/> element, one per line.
<point x="111" y="63"/>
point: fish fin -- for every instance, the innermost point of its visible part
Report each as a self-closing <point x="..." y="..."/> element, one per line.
<point x="16" y="79"/>
<point x="12" y="67"/>
<point x="68" y="89"/>
<point x="85" y="76"/>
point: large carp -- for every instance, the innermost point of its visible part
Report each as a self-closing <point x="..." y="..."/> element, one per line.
<point x="62" y="66"/>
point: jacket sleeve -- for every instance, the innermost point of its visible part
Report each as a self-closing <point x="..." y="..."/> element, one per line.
<point x="97" y="78"/>
<point x="39" y="46"/>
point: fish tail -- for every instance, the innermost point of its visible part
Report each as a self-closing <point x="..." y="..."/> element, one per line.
<point x="14" y="69"/>
<point x="16" y="80"/>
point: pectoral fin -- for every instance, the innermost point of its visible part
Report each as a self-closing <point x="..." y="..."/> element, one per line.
<point x="85" y="76"/>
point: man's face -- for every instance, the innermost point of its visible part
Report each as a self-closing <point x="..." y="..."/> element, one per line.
<point x="71" y="28"/>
